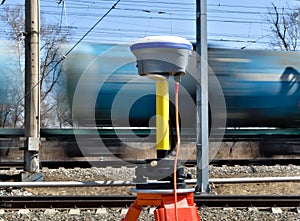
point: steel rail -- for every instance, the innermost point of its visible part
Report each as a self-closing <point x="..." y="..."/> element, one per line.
<point x="248" y="200"/>
<point x="111" y="183"/>
<point x="53" y="164"/>
<point x="240" y="201"/>
<point x="188" y="163"/>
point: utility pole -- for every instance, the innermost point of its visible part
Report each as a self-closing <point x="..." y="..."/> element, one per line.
<point x="202" y="98"/>
<point x="32" y="90"/>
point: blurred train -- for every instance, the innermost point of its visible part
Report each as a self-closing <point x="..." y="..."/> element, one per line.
<point x="8" y="65"/>
<point x="247" y="89"/>
<point x="260" y="88"/>
<point x="253" y="95"/>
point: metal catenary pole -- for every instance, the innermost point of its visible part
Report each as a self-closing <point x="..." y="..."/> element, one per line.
<point x="32" y="87"/>
<point x="202" y="98"/>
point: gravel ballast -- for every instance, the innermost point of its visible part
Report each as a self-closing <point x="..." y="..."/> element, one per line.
<point x="123" y="173"/>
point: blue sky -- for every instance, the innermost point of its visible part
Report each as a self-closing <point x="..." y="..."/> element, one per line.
<point x="250" y="24"/>
<point x="231" y="23"/>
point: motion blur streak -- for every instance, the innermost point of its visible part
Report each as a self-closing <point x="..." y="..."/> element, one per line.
<point x="261" y="88"/>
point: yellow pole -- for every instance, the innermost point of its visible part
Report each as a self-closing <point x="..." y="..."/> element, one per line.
<point x="162" y="115"/>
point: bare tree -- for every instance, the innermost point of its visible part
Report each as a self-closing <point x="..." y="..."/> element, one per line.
<point x="50" y="74"/>
<point x="51" y="37"/>
<point x="62" y="109"/>
<point x="285" y="27"/>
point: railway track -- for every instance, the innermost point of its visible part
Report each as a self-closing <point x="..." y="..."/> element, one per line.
<point x="6" y="165"/>
<point x="215" y="201"/>
<point x="113" y="163"/>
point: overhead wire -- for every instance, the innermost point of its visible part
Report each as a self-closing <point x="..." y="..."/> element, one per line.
<point x="91" y="29"/>
<point x="160" y="12"/>
<point x="72" y="48"/>
<point x="183" y="11"/>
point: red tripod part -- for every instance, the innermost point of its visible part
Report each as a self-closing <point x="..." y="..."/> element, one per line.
<point x="186" y="208"/>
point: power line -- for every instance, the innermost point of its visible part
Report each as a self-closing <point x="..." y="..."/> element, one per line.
<point x="144" y="10"/>
<point x="91" y="29"/>
<point x="72" y="48"/>
<point x="244" y="6"/>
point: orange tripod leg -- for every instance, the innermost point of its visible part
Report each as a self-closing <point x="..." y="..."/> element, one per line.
<point x="133" y="212"/>
<point x="143" y="199"/>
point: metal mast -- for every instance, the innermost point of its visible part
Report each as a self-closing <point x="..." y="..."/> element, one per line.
<point x="32" y="91"/>
<point x="202" y="98"/>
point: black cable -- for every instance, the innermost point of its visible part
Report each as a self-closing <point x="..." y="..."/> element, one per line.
<point x="78" y="42"/>
<point x="70" y="50"/>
